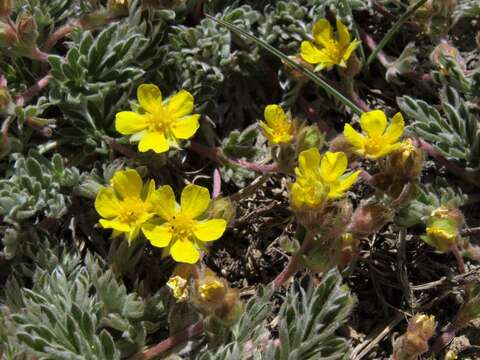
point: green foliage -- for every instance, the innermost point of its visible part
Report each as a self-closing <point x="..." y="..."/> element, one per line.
<point x="307" y="324"/>
<point x="466" y="9"/>
<point x="455" y="132"/>
<point x="36" y="187"/>
<point x="430" y="197"/>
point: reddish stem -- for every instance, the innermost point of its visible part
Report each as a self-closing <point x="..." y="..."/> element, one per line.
<point x="445" y="339"/>
<point x="217" y="183"/>
<point x="217" y="155"/>
<point x="27" y="95"/>
<point x="59" y="34"/>
<point x="292" y="267"/>
<point x="171" y="342"/>
<point x="451" y="166"/>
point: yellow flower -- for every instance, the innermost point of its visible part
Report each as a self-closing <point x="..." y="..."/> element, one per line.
<point x="380" y="139"/>
<point x="278" y="129"/>
<point x="163" y="121"/>
<point x="212" y="290"/>
<point x="127" y="204"/>
<point x="320" y="178"/>
<point x="182" y="232"/>
<point x="327" y="51"/>
<point x="179" y="287"/>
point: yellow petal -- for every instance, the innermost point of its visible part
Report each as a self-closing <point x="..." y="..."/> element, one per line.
<point x="128" y="122"/>
<point x="373" y="122"/>
<point x="395" y="129"/>
<point x="158" y="235"/>
<point x="164" y="202"/>
<point x="149" y="97"/>
<point x="210" y="230"/>
<point x="184" y="251"/>
<point x="333" y="165"/>
<point x="148" y="190"/>
<point x="267" y="131"/>
<point x="194" y="200"/>
<point x="343" y="33"/>
<point x="180" y="104"/>
<point x="311" y="54"/>
<point x="355" y="138"/>
<point x="309" y="160"/>
<point x="387" y="149"/>
<point x="339" y="188"/>
<point x="322" y="32"/>
<point x="155" y="141"/>
<point x="350" y="49"/>
<point x="186" y="127"/>
<point x="106" y="203"/>
<point x="114" y="224"/>
<point x="127" y="183"/>
<point x="275" y="116"/>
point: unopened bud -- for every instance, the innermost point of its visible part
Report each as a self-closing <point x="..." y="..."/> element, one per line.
<point x="179" y="287"/>
<point x="8" y="35"/>
<point x="369" y="218"/>
<point x="415" y="341"/>
<point x="450" y="355"/>
<point x="214" y="297"/>
<point x="27" y="29"/>
<point x="293" y="72"/>
<point x="310" y="137"/>
<point x="118" y="7"/>
<point x="340" y="143"/>
<point x="445" y="49"/>
<point x="354" y="66"/>
<point x="223" y="208"/>
<point x="5" y="8"/>
<point x="442" y="234"/>
<point x="346" y="249"/>
<point x="449" y="212"/>
<point x="407" y="161"/>
<point x="5" y="100"/>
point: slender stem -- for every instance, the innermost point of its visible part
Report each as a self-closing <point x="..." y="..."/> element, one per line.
<point x="445" y="339"/>
<point x="459" y="258"/>
<point x="250" y="189"/>
<point x="37" y="54"/>
<point x="171" y="342"/>
<point x="58" y="34"/>
<point x="317" y="79"/>
<point x="217" y="183"/>
<point x="454" y="168"/>
<point x="294" y="264"/>
<point x="403" y="19"/>
<point x="217" y="155"/>
<point x="27" y="95"/>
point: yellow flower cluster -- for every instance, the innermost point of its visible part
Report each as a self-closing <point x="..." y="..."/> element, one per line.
<point x="328" y="50"/>
<point x="161" y="123"/>
<point x="319" y="179"/>
<point x="128" y="206"/>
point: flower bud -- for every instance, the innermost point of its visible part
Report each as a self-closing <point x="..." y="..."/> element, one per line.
<point x="310" y="137"/>
<point x="346" y="249"/>
<point x="369" y="218"/>
<point x="8" y="35"/>
<point x="450" y="355"/>
<point x="5" y="100"/>
<point x="443" y="227"/>
<point x="407" y="161"/>
<point x="445" y="49"/>
<point x="222" y="208"/>
<point x="179" y="287"/>
<point x="294" y="73"/>
<point x="354" y="66"/>
<point x="5" y="8"/>
<point x="118" y="7"/>
<point x="340" y="143"/>
<point x="27" y="29"/>
<point x="214" y="297"/>
<point x="449" y="212"/>
<point x="415" y="341"/>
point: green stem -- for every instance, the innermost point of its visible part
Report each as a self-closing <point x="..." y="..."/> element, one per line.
<point x="403" y="19"/>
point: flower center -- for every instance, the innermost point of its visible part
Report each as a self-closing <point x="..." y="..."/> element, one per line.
<point x="181" y="226"/>
<point x="160" y="120"/>
<point x="132" y="208"/>
<point x="373" y="145"/>
<point x="315" y="191"/>
<point x="334" y="50"/>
